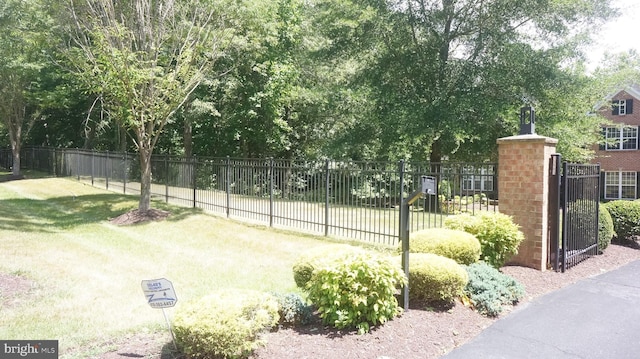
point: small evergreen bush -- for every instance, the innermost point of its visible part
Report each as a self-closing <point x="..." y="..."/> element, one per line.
<point x="225" y="324"/>
<point x="626" y="219"/>
<point x="489" y="290"/>
<point x="499" y="236"/>
<point x="309" y="260"/>
<point x="434" y="278"/>
<point x="356" y="290"/>
<point x="293" y="310"/>
<point x="605" y="228"/>
<point x="460" y="246"/>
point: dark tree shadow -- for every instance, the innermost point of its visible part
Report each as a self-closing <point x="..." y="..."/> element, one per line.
<point x="65" y="212"/>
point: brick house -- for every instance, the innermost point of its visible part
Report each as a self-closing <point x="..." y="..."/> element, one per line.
<point x="619" y="156"/>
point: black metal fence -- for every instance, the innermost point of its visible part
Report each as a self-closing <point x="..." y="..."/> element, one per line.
<point x="357" y="200"/>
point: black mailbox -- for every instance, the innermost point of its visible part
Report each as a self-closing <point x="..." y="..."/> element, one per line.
<point x="428" y="185"/>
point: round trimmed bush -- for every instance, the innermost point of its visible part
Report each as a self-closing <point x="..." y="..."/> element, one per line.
<point x="315" y="257"/>
<point x="225" y="324"/>
<point x="605" y="228"/>
<point x="460" y="246"/>
<point x="499" y="236"/>
<point x="434" y="278"/>
<point x="356" y="290"/>
<point x="626" y="219"/>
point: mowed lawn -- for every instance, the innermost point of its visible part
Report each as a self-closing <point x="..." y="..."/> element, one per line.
<point x="87" y="273"/>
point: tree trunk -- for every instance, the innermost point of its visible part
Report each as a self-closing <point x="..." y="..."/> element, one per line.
<point x="188" y="138"/>
<point x="145" y="180"/>
<point x="15" y="137"/>
<point x="16" y="160"/>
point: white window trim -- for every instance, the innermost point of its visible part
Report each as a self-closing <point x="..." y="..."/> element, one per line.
<point x="622" y="107"/>
<point x="486" y="179"/>
<point x="620" y="139"/>
<point x="618" y="183"/>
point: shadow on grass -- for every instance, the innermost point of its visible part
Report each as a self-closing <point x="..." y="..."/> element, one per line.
<point x="51" y="215"/>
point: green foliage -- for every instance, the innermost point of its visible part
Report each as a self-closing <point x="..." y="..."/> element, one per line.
<point x="293" y="310"/>
<point x="458" y="245"/>
<point x="356" y="290"/>
<point x="310" y="260"/>
<point x="434" y="278"/>
<point x="225" y="324"/>
<point x="499" y="236"/>
<point x="626" y="219"/>
<point x="605" y="228"/>
<point x="489" y="290"/>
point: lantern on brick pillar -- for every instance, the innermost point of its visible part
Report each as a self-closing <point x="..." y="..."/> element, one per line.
<point x="527" y="120"/>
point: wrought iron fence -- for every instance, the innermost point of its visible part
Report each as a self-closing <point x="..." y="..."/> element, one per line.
<point x="357" y="200"/>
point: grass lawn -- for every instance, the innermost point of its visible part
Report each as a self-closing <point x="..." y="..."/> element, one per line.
<point x="87" y="272"/>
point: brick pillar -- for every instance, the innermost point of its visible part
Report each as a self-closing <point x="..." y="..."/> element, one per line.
<point x="523" y="182"/>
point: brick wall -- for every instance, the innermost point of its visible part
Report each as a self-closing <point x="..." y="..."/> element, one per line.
<point x="623" y="160"/>
<point x="523" y="179"/>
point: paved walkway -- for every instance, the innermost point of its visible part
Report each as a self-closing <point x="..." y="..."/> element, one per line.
<point x="597" y="318"/>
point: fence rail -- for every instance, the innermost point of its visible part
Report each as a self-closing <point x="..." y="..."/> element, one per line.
<point x="357" y="200"/>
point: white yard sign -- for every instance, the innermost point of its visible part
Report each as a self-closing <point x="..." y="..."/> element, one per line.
<point x="159" y="293"/>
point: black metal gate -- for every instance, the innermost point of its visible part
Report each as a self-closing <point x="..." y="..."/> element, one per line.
<point x="575" y="200"/>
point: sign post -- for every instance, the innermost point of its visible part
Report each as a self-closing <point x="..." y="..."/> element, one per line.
<point x="160" y="294"/>
<point x="429" y="187"/>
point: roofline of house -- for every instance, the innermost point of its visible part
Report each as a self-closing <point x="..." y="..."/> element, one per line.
<point x="633" y="90"/>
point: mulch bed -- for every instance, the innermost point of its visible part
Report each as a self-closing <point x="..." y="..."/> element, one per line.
<point x="422" y="333"/>
<point x="138" y="216"/>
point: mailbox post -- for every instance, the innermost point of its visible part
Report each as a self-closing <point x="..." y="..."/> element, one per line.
<point x="428" y="187"/>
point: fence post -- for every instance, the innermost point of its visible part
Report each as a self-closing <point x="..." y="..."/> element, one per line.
<point x="555" y="179"/>
<point x="194" y="168"/>
<point x="326" y="198"/>
<point x="106" y="170"/>
<point x="92" y="165"/>
<point x="55" y="163"/>
<point x="166" y="178"/>
<point x="403" y="236"/>
<point x="124" y="175"/>
<point x="401" y="173"/>
<point x="78" y="163"/>
<point x="228" y="189"/>
<point x="271" y="167"/>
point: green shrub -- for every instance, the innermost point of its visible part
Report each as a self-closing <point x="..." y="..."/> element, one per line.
<point x="225" y="324"/>
<point x="434" y="278"/>
<point x="309" y="260"/>
<point x="489" y="290"/>
<point x="356" y="290"/>
<point x="460" y="246"/>
<point x="605" y="228"/>
<point x="626" y="219"/>
<point x="293" y="310"/>
<point x="499" y="236"/>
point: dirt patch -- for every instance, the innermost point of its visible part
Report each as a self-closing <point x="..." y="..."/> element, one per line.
<point x="138" y="216"/>
<point x="12" y="289"/>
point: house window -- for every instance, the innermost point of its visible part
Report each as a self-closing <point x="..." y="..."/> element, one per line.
<point x="622" y="107"/>
<point x="620" y="185"/>
<point x="478" y="179"/>
<point x="621" y="138"/>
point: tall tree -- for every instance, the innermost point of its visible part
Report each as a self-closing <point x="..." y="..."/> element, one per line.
<point x="24" y="25"/>
<point x="443" y="73"/>
<point x="145" y="58"/>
